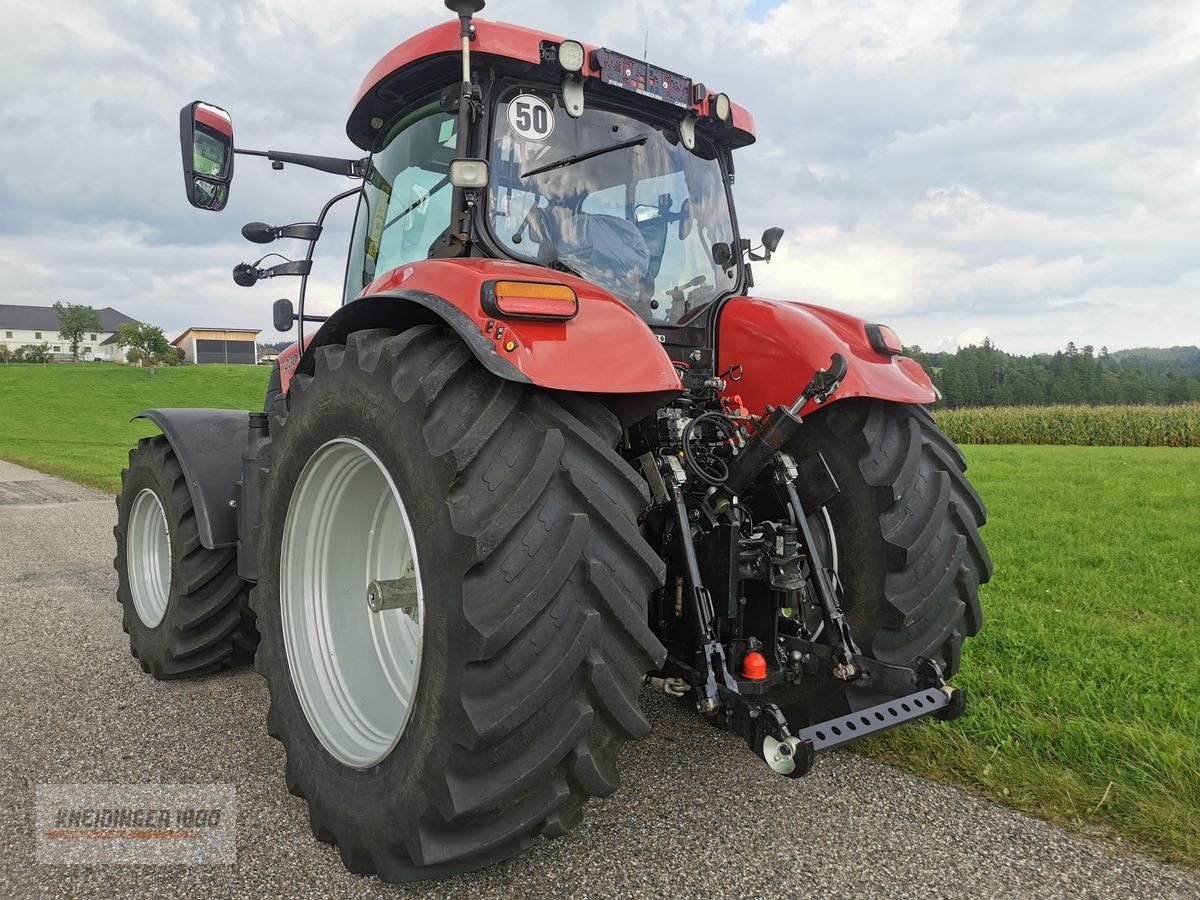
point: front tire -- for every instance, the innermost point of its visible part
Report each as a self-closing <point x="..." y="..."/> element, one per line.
<point x="184" y="607"/>
<point x="532" y="637"/>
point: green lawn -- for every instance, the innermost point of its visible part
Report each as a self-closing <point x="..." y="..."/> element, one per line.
<point x="1084" y="684"/>
<point x="74" y="420"/>
<point x="1085" y="681"/>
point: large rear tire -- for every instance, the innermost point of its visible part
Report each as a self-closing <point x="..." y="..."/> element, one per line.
<point x="521" y="673"/>
<point x="905" y="527"/>
<point x="184" y="607"/>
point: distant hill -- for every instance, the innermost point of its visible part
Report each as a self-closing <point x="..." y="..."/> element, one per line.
<point x="987" y="376"/>
<point x="1160" y="360"/>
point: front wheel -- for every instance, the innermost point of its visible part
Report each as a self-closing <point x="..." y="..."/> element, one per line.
<point x="453" y="604"/>
<point x="184" y="606"/>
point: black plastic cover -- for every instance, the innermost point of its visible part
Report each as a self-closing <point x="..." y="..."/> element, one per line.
<point x="209" y="445"/>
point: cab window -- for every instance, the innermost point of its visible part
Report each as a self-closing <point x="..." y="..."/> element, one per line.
<point x="405" y="204"/>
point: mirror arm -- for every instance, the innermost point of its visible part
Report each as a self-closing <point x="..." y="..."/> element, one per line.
<point x="351" y="168"/>
<point x="262" y="233"/>
<point x="299" y="267"/>
<point x="354" y="191"/>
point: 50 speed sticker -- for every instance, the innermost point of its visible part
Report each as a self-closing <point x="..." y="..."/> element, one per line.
<point x="531" y="117"/>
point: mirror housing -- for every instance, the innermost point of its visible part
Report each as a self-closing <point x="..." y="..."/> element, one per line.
<point x="722" y="254"/>
<point x="685" y="219"/>
<point x="206" y="143"/>
<point x="283" y="315"/>
<point x="770" y="241"/>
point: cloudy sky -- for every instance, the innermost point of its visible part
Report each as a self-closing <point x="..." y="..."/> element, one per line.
<point x="1028" y="171"/>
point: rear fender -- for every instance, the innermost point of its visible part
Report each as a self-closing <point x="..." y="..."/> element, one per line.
<point x="780" y="345"/>
<point x="209" y="445"/>
<point x="605" y="350"/>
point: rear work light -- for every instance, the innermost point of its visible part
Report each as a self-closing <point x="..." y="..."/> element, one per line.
<point x="884" y="340"/>
<point x="529" y="300"/>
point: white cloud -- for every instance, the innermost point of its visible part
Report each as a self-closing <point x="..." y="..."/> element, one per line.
<point x="953" y="167"/>
<point x="972" y="337"/>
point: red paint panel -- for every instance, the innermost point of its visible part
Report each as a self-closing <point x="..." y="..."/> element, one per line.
<point x="780" y="345"/>
<point x="605" y="349"/>
<point x="513" y="42"/>
<point x="289" y="359"/>
<point x="206" y="116"/>
<point x="743" y="121"/>
<point x="497" y="38"/>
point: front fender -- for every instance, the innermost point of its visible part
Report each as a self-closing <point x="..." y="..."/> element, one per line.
<point x="605" y="349"/>
<point x="780" y="345"/>
<point x="208" y="444"/>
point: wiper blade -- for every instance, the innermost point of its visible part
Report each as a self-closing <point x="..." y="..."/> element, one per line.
<point x="561" y="266"/>
<point x="587" y="154"/>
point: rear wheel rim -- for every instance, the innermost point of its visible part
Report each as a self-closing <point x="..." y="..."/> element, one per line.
<point x="148" y="558"/>
<point x="355" y="670"/>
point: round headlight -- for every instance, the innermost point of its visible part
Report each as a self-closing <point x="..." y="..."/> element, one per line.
<point x="570" y="55"/>
<point x="721" y="107"/>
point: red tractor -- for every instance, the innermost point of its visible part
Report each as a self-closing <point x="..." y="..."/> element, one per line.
<point x="548" y="452"/>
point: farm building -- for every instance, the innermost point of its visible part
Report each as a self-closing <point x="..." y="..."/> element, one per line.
<point x="21" y="325"/>
<point x="219" y="345"/>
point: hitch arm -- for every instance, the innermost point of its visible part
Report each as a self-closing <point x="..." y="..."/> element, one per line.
<point x="713" y="670"/>
<point x="840" y="635"/>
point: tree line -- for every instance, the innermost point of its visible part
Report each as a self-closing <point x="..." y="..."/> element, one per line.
<point x="984" y="375"/>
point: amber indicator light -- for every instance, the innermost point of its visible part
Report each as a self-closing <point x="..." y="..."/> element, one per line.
<point x="529" y="300"/>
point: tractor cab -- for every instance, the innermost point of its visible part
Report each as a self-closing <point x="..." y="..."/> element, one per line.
<point x="610" y="169"/>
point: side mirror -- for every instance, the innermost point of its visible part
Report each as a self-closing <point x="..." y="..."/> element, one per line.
<point x="206" y="141"/>
<point x="685" y="219"/>
<point x="644" y="212"/>
<point x="283" y="315"/>
<point x="771" y="238"/>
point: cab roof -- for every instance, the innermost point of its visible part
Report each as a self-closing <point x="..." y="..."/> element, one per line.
<point x="431" y="55"/>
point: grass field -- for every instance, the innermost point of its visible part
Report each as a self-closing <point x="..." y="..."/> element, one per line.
<point x="74" y="420"/>
<point x="1085" y="681"/>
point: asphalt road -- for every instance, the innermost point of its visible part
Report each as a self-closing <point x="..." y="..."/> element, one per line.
<point x="696" y="816"/>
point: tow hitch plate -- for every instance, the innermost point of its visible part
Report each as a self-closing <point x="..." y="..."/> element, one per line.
<point x="851" y="727"/>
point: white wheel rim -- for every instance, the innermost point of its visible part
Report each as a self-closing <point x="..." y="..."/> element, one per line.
<point x="355" y="670"/>
<point x="148" y="558"/>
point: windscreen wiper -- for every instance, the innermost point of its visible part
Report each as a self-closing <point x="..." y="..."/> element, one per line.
<point x="561" y="266"/>
<point x="587" y="154"/>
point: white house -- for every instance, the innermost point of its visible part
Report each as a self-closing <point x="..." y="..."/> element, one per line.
<point x="21" y="325"/>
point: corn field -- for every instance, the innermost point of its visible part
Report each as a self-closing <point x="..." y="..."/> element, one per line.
<point x="1109" y="426"/>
